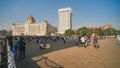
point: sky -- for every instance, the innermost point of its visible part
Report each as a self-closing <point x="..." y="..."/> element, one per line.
<point x="84" y="12"/>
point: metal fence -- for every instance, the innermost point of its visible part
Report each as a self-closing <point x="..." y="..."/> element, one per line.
<point x="6" y="55"/>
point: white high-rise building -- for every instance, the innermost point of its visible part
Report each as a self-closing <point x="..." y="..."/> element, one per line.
<point x="65" y="19"/>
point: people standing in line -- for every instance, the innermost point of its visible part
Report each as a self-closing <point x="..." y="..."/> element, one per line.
<point x="22" y="48"/>
<point x="95" y="42"/>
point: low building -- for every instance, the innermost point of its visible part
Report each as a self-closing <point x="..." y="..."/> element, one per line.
<point x="32" y="28"/>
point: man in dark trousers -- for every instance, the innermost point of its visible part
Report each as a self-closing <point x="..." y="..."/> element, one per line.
<point x="22" y="48"/>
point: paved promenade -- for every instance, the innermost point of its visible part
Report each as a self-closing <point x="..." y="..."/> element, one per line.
<point x="70" y="56"/>
<point x="32" y="50"/>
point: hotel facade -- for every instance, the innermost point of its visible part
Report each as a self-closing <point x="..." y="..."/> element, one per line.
<point x="32" y="28"/>
<point x="65" y="19"/>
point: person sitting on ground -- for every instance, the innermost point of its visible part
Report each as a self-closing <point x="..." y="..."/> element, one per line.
<point x="47" y="45"/>
<point x="42" y="45"/>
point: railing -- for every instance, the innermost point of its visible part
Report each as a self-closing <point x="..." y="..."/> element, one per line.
<point x="6" y="55"/>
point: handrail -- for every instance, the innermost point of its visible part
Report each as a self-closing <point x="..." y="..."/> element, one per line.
<point x="7" y="56"/>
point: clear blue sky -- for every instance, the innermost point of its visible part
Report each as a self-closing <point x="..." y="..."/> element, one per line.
<point x="85" y="12"/>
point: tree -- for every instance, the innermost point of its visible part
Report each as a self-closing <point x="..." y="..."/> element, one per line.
<point x="48" y="33"/>
<point x="81" y="30"/>
<point x="84" y="31"/>
<point x="69" y="32"/>
<point x="5" y="33"/>
<point x="115" y="32"/>
<point x="89" y="32"/>
<point x="111" y="31"/>
<point x="118" y="32"/>
<point x="99" y="32"/>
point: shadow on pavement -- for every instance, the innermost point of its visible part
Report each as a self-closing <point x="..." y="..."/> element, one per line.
<point x="34" y="56"/>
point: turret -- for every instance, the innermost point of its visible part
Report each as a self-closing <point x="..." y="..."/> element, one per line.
<point x="30" y="19"/>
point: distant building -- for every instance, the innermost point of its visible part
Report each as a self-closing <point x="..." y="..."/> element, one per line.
<point x="101" y="27"/>
<point x="106" y="26"/>
<point x="65" y="19"/>
<point x="32" y="28"/>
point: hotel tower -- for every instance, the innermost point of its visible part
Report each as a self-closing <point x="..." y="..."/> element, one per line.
<point x="65" y="19"/>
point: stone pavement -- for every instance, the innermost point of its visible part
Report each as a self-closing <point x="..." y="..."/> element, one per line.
<point x="34" y="54"/>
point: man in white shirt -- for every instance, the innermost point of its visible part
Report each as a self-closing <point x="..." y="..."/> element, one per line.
<point x="83" y="41"/>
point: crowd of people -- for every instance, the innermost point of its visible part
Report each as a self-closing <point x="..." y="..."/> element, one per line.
<point x="44" y="44"/>
<point x="84" y="41"/>
<point x="81" y="41"/>
<point x="17" y="44"/>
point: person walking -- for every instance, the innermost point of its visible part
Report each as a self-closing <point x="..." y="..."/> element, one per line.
<point x="22" y="48"/>
<point x="95" y="42"/>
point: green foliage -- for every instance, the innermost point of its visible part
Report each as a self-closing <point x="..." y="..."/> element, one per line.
<point x="99" y="32"/>
<point x="69" y="32"/>
<point x="88" y="32"/>
<point x="48" y="33"/>
<point x="5" y="33"/>
<point x="111" y="31"/>
<point x="118" y="32"/>
<point x="84" y="31"/>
